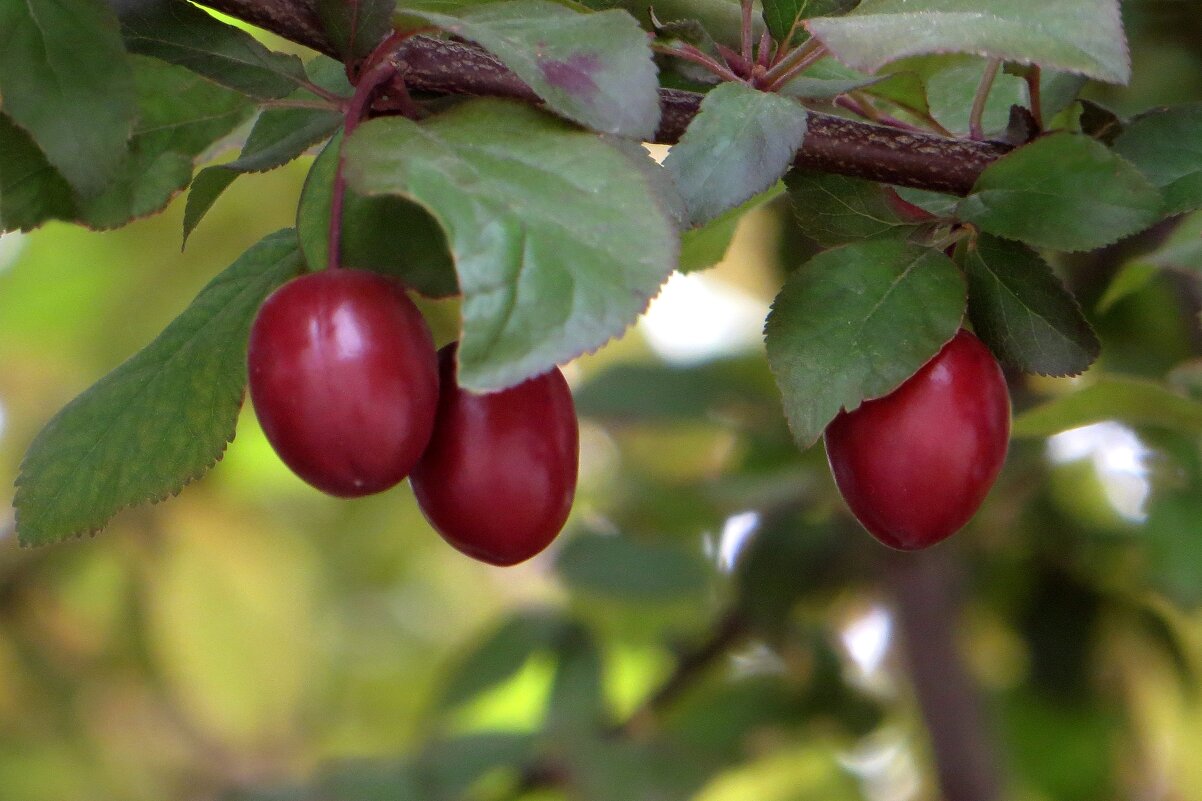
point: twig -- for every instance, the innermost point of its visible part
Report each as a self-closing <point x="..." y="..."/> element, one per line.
<point x="982" y="95"/>
<point x="927" y="604"/>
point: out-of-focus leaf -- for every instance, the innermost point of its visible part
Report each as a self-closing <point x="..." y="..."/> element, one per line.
<point x="447" y="768"/>
<point x="738" y="146"/>
<point x="158" y="421"/>
<point x="632" y="571"/>
<point x="1165" y="146"/>
<point x="559" y="239"/>
<point x="855" y="322"/>
<point x="1128" y="400"/>
<point x="181" y="33"/>
<point x="1064" y="191"/>
<point x="1182" y="251"/>
<point x="576" y="702"/>
<point x="384" y="234"/>
<point x="1081" y="36"/>
<point x="1023" y="312"/>
<point x="1172" y="545"/>
<point x="65" y="80"/>
<point x="499" y="655"/>
<point x="595" y="69"/>
<point x="630" y="393"/>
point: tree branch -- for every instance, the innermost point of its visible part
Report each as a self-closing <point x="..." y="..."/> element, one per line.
<point x="832" y="144"/>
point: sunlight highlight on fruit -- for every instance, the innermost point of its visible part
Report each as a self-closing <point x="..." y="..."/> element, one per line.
<point x="1119" y="460"/>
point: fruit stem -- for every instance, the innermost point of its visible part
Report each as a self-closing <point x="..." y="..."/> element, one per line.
<point x="378" y="70"/>
<point x="746" y="32"/>
<point x="693" y="54"/>
<point x="1033" y="76"/>
<point x="793" y="64"/>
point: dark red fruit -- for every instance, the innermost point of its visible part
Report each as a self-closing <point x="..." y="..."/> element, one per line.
<point x="344" y="380"/>
<point x="498" y="478"/>
<point x="915" y="465"/>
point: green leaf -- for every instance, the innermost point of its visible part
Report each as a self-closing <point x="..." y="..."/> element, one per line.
<point x="278" y="137"/>
<point x="782" y="16"/>
<point x="500" y="655"/>
<point x="706" y="245"/>
<point x="834" y="210"/>
<point x="31" y="191"/>
<point x="385" y="234"/>
<point x="65" y="80"/>
<point x="664" y="394"/>
<point x="1164" y="144"/>
<point x="1065" y="192"/>
<point x="853" y="323"/>
<point x="180" y="116"/>
<point x="1172" y="545"/>
<point x="161" y="419"/>
<point x="739" y="145"/>
<point x="182" y="34"/>
<point x="950" y="94"/>
<point x="355" y="27"/>
<point x="1128" y="400"/>
<point x="1081" y="36"/>
<point x="559" y="238"/>
<point x="1181" y="251"/>
<point x="596" y="69"/>
<point x="631" y="571"/>
<point x="936" y="203"/>
<point x="1023" y="312"/>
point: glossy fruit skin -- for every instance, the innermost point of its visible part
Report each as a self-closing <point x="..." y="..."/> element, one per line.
<point x="498" y="478"/>
<point x="915" y="465"/>
<point x="344" y="380"/>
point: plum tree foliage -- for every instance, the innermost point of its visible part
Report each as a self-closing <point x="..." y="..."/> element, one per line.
<point x="947" y="165"/>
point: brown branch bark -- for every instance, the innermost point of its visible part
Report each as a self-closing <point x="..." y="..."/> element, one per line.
<point x="832" y="144"/>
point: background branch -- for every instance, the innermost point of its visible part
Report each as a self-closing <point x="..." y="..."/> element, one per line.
<point x="832" y="144"/>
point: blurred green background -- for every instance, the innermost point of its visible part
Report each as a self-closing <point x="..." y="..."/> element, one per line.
<point x="712" y="624"/>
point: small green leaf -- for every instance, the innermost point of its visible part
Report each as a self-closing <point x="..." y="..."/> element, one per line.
<point x="385" y="234"/>
<point x="853" y="323"/>
<point x="631" y="571"/>
<point x="182" y="34"/>
<point x="1165" y="145"/>
<point x="1065" y="192"/>
<point x="447" y="768"/>
<point x="65" y="80"/>
<point x="354" y="27"/>
<point x="706" y="245"/>
<point x="1182" y="251"/>
<point x="180" y="116"/>
<point x="278" y="137"/>
<point x="31" y="191"/>
<point x="783" y="16"/>
<point x="834" y="210"/>
<point x="161" y="419"/>
<point x="1081" y="36"/>
<point x="559" y="238"/>
<point x="739" y="145"/>
<point x="1129" y="400"/>
<point x="596" y="69"/>
<point x="499" y="655"/>
<point x="1023" y="312"/>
